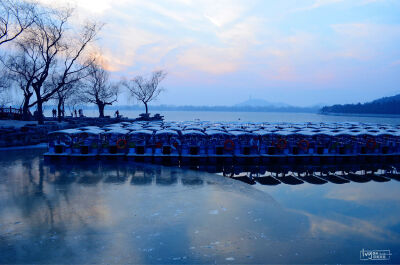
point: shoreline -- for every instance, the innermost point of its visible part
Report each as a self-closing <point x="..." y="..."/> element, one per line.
<point x="360" y="115"/>
<point x="23" y="134"/>
<point x="12" y="148"/>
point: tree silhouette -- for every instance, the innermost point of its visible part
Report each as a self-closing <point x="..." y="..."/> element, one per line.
<point x="146" y="90"/>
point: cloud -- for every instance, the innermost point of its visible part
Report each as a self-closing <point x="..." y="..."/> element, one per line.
<point x="364" y="41"/>
<point x="223" y="12"/>
<point x="395" y="63"/>
<point x="88" y="6"/>
<point x="242" y="33"/>
<point x="194" y="42"/>
<point x="347" y="227"/>
<point x="263" y="46"/>
<point x="96" y="6"/>
<point x="215" y="38"/>
<point x="210" y="59"/>
<point x="364" y="194"/>
<point x="367" y="30"/>
<point x="126" y="43"/>
<point x="323" y="3"/>
<point x="320" y="3"/>
<point x="292" y="58"/>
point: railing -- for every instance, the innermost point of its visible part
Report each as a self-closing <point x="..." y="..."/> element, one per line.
<point x="9" y="112"/>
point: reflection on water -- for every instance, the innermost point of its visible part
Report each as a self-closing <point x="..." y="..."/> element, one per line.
<point x="136" y="213"/>
<point x="312" y="174"/>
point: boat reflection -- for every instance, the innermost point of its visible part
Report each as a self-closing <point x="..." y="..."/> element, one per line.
<point x="313" y="174"/>
<point x="143" y="174"/>
<point x="118" y="173"/>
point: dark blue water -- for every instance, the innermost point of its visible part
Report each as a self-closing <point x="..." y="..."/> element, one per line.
<point x="136" y="213"/>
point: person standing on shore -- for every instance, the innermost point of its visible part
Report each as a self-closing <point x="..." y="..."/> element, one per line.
<point x="54" y="113"/>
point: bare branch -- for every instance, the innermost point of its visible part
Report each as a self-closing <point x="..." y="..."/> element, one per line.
<point x="56" y="52"/>
<point x="146" y="90"/>
<point x="99" y="89"/>
<point x="15" y="17"/>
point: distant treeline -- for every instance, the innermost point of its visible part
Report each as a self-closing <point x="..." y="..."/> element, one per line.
<point x="387" y="105"/>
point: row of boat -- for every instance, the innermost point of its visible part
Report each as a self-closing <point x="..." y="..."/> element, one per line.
<point x="235" y="140"/>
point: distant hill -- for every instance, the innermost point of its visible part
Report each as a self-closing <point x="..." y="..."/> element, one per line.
<point x="386" y="105"/>
<point x="388" y="99"/>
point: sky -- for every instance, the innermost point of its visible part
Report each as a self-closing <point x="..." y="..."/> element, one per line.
<point x="298" y="52"/>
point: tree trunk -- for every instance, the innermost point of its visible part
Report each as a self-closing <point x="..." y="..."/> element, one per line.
<point x="63" y="109"/>
<point x="25" y="108"/>
<point x="39" y="106"/>
<point x="101" y="109"/>
<point x="39" y="113"/>
<point x="60" y="109"/>
<point x="147" y="109"/>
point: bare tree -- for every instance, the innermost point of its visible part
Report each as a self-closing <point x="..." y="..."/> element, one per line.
<point x="4" y="88"/>
<point x="15" y="17"/>
<point x="55" y="50"/>
<point x="146" y="90"/>
<point x="65" y="94"/>
<point x="99" y="89"/>
<point x="72" y="102"/>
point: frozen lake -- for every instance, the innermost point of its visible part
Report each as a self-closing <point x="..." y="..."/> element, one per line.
<point x="135" y="213"/>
